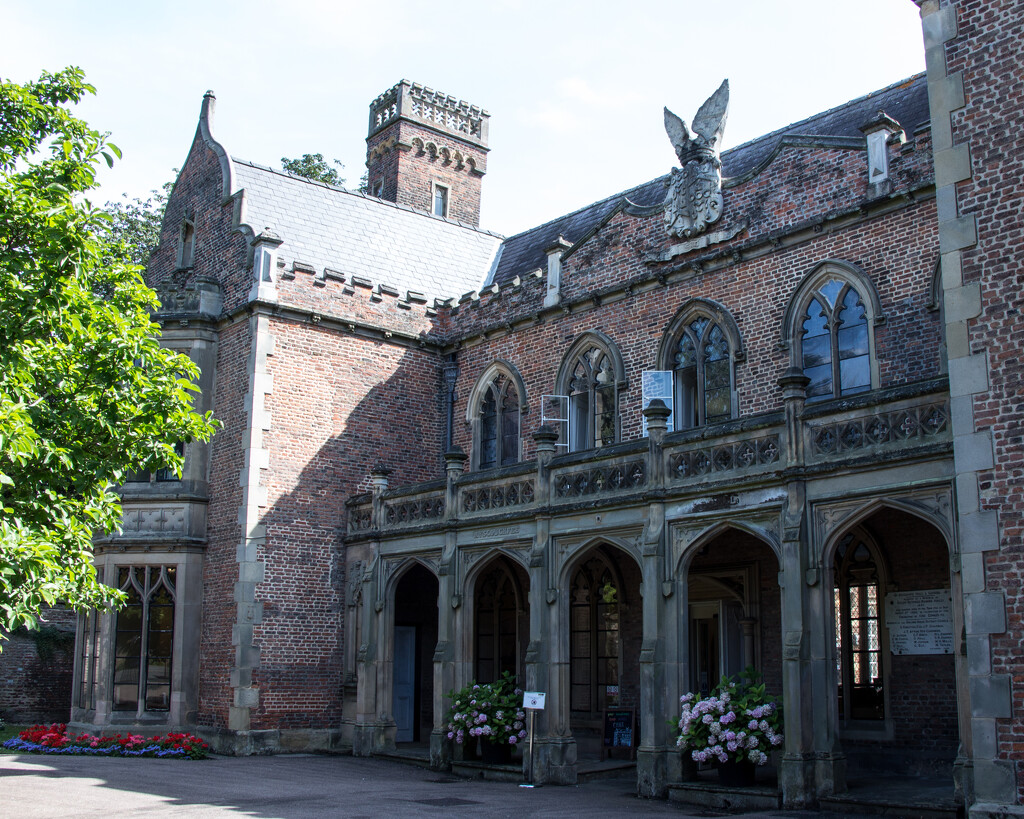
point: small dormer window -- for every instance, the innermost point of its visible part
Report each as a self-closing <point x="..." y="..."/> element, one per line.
<point x="440" y="200"/>
<point x="186" y="251"/>
<point x="264" y="265"/>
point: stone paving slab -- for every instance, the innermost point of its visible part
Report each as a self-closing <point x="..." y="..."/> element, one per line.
<point x="289" y="787"/>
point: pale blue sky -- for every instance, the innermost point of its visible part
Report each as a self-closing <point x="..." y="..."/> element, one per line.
<point x="575" y="89"/>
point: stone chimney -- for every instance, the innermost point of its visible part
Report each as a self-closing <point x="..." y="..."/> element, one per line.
<point x="427" y="150"/>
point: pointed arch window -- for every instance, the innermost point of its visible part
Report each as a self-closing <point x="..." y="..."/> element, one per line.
<point x="829" y="329"/>
<point x="495" y="409"/>
<point x="698" y="354"/>
<point x="589" y="382"/>
<point x="500" y="611"/>
<point x="834" y="342"/>
<point x="144" y="638"/>
<point x="702" y="375"/>
<point x="499" y="423"/>
<point x="592" y="401"/>
<point x="857" y="600"/>
<point x="594" y="635"/>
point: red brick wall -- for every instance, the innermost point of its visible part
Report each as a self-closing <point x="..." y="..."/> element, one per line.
<point x="220" y="569"/>
<point x="219" y="253"/>
<point x="36" y="671"/>
<point x="408" y="174"/>
<point x="340" y="404"/>
<point x="898" y="252"/>
<point x="989" y="52"/>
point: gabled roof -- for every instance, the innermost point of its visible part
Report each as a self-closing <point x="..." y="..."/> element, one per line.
<point x="905" y="101"/>
<point x="358" y="235"/>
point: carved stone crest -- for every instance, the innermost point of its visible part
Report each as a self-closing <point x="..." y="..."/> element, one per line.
<point x="694" y="198"/>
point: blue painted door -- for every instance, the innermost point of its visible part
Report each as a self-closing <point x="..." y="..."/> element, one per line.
<point x="404" y="704"/>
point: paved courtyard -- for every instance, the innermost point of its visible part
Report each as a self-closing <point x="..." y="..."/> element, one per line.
<point x="288" y="787"/>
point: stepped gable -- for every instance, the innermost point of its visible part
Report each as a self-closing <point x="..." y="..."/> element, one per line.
<point x="905" y="101"/>
<point x="327" y="227"/>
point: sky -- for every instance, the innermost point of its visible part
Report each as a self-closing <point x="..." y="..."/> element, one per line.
<point x="575" y="89"/>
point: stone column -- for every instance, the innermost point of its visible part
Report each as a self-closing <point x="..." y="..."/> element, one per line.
<point x="811" y="765"/>
<point x="554" y="747"/>
<point x="657" y="758"/>
<point x="449" y="603"/>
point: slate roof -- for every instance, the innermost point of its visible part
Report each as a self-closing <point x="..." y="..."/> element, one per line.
<point x="905" y="101"/>
<point x="360" y="235"/>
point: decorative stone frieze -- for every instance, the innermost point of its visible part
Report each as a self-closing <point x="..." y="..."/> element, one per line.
<point x="895" y="426"/>
<point x="611" y="478"/>
<point x="728" y="457"/>
<point x="497" y="497"/>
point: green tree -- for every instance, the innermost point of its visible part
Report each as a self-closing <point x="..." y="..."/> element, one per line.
<point x="134" y="226"/>
<point x="86" y="391"/>
<point x="315" y="167"/>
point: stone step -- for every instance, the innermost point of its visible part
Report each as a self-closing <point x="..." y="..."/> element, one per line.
<point x="846" y="806"/>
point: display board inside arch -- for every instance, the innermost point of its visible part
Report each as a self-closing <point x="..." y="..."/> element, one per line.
<point x="920" y="622"/>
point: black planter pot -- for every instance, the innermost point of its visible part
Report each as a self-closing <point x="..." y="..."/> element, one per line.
<point x="733" y="774"/>
<point x="495" y="753"/>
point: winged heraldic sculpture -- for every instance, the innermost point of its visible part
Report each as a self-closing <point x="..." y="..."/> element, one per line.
<point x="694" y="198"/>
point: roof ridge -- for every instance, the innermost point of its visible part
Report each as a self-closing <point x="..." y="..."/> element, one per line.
<point x="620" y="195"/>
<point x="780" y="132"/>
<point x="361" y="195"/>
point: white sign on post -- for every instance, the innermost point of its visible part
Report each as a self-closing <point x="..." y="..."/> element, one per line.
<point x="533" y="700"/>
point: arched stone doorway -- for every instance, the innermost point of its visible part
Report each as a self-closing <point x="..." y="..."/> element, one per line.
<point x="734" y="611"/>
<point x="605" y="631"/>
<point x="893" y="622"/>
<point x="415" y="638"/>
<point x="501" y="620"/>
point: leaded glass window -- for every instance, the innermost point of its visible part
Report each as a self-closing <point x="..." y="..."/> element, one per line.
<point x="834" y="343"/>
<point x="144" y="638"/>
<point x="593" y="400"/>
<point x="498" y="610"/>
<point x="594" y="636"/>
<point x="857" y="605"/>
<point x="499" y="424"/>
<point x="703" y="378"/>
<point x="88" y="659"/>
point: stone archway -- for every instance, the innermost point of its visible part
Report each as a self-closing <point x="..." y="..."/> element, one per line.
<point x="895" y="625"/>
<point x="734" y="611"/>
<point x="501" y="620"/>
<point x="605" y="627"/>
<point x="415" y="632"/>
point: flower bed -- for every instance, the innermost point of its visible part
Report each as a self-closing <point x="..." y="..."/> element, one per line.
<point x="54" y="739"/>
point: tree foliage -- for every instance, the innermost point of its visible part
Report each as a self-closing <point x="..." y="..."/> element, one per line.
<point x="315" y="167"/>
<point x="86" y="391"/>
<point x="133" y="231"/>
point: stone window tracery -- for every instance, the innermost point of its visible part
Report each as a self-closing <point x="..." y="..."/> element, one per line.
<point x="857" y="599"/>
<point x="495" y="411"/>
<point x="499" y="424"/>
<point x="144" y="638"/>
<point x="698" y="353"/>
<point x="829" y="330"/>
<point x="834" y="342"/>
<point x="594" y="635"/>
<point x="590" y="380"/>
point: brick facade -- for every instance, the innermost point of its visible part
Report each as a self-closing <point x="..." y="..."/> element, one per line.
<point x="352" y="422"/>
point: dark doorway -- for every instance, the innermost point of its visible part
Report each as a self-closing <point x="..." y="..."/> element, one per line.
<point x="415" y="639"/>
